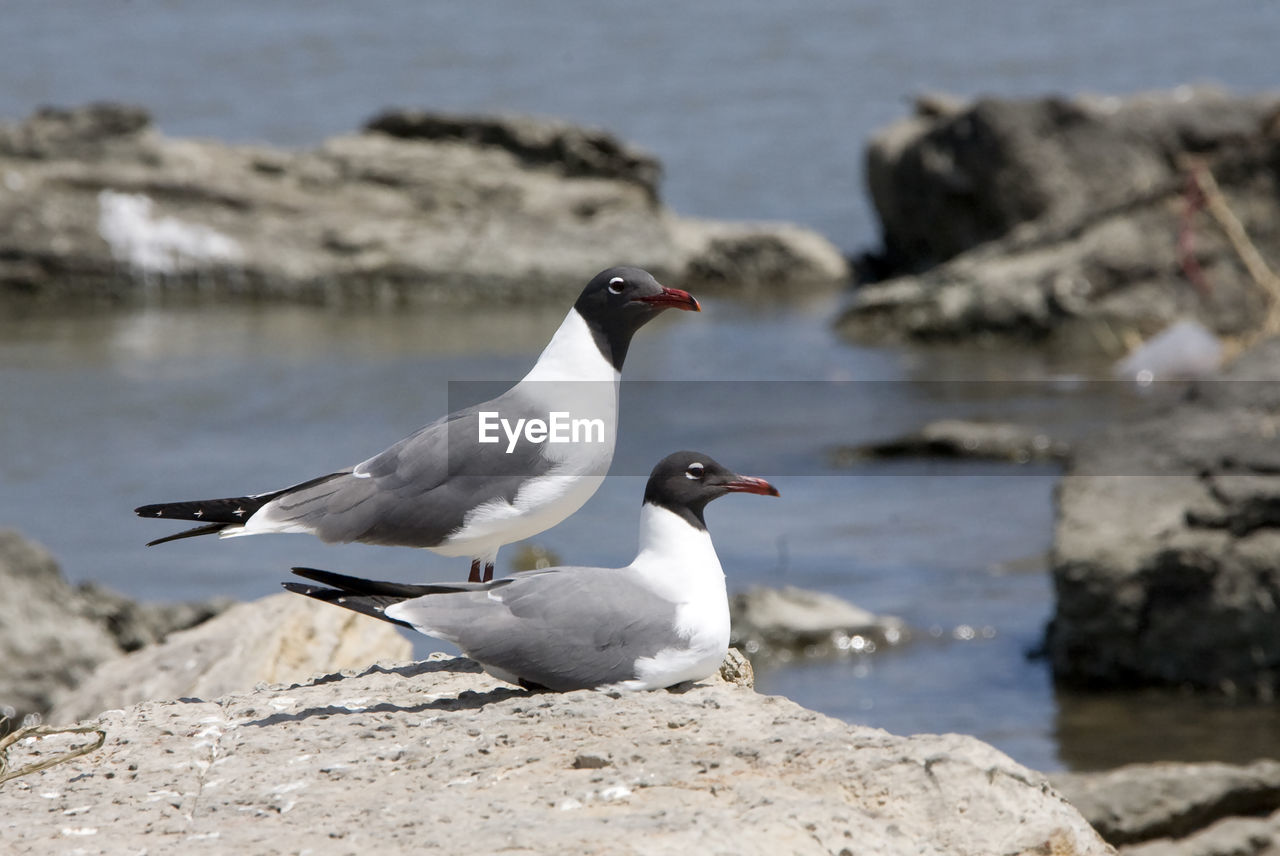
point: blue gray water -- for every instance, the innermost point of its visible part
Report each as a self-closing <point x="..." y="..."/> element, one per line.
<point x="758" y="110"/>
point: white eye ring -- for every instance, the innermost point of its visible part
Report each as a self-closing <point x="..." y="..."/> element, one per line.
<point x="615" y="285"/>
<point x="694" y="471"/>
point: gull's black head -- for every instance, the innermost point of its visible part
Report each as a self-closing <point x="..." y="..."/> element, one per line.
<point x="685" y="482"/>
<point x="621" y="300"/>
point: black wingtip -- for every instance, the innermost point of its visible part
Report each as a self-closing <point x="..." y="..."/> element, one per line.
<point x="330" y="578"/>
<point x="380" y="588"/>
<point x="374" y="606"/>
<point x="208" y="529"/>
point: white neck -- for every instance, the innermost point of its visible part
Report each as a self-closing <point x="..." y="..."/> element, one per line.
<point x="677" y="560"/>
<point x="572" y="354"/>
<point x="678" y="563"/>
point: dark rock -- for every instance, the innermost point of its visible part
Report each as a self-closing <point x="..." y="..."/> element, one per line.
<point x="134" y="625"/>
<point x="960" y="438"/>
<point x="95" y="203"/>
<point x="573" y="150"/>
<point x="590" y="761"/>
<point x="1050" y="217"/>
<point x="57" y="133"/>
<point x="948" y="180"/>
<point x="1231" y="836"/>
<point x="1145" y="802"/>
<point x="1166" y="558"/>
<point x="52" y="636"/>
<point x="46" y="645"/>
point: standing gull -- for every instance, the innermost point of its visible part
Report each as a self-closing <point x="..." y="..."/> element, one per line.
<point x="662" y="620"/>
<point x="459" y="486"/>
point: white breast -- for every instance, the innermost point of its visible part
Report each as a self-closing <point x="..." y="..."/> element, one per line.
<point x="571" y="376"/>
<point x="679" y="563"/>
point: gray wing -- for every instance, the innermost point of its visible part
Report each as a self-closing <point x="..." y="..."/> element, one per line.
<point x="418" y="492"/>
<point x="563" y="629"/>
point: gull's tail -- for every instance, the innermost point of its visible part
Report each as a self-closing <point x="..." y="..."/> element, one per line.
<point x="217" y="514"/>
<point x="372" y="597"/>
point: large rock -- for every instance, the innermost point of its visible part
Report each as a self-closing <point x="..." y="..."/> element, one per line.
<point x="1231" y="836"/>
<point x="277" y="639"/>
<point x="1187" y="809"/>
<point x="1026" y="218"/>
<point x="435" y="757"/>
<point x="415" y="209"/>
<point x="1166" y="557"/>
<point x="770" y="623"/>
<point x="52" y="635"/>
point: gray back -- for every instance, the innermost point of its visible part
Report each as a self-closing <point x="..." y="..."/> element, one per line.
<point x="418" y="491"/>
<point x="564" y="629"/>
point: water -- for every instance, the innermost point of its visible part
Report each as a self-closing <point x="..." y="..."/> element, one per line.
<point x="759" y="111"/>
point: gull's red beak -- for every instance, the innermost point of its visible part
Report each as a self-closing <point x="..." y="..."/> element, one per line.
<point x="750" y="484"/>
<point x="673" y="297"/>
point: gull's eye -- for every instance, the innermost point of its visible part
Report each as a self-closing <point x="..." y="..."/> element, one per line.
<point x="695" y="471"/>
<point x="615" y="285"/>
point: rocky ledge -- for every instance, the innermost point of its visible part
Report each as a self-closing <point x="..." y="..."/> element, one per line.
<point x="1093" y="222"/>
<point x="415" y="208"/>
<point x="1166" y="557"/>
<point x="437" y="757"/>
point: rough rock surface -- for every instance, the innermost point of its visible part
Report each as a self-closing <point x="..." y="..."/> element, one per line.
<point x="436" y="757"/>
<point x="1166" y="557"/>
<point x="277" y="639"/>
<point x="52" y="635"/>
<point x="415" y="209"/>
<point x="1025" y="218"/>
<point x="769" y="622"/>
<point x="1181" y="808"/>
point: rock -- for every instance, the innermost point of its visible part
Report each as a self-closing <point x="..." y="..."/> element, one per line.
<point x="135" y="625"/>
<point x="416" y="209"/>
<point x="737" y="669"/>
<point x="783" y="622"/>
<point x="278" y="639"/>
<point x="88" y="132"/>
<point x="1167" y="543"/>
<point x="961" y="438"/>
<point x="945" y="181"/>
<point x="1154" y="803"/>
<point x="45" y="643"/>
<point x="436" y="757"/>
<point x="53" y="635"/>
<point x="1232" y="836"/>
<point x="1052" y="218"/>
<point x="571" y="150"/>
